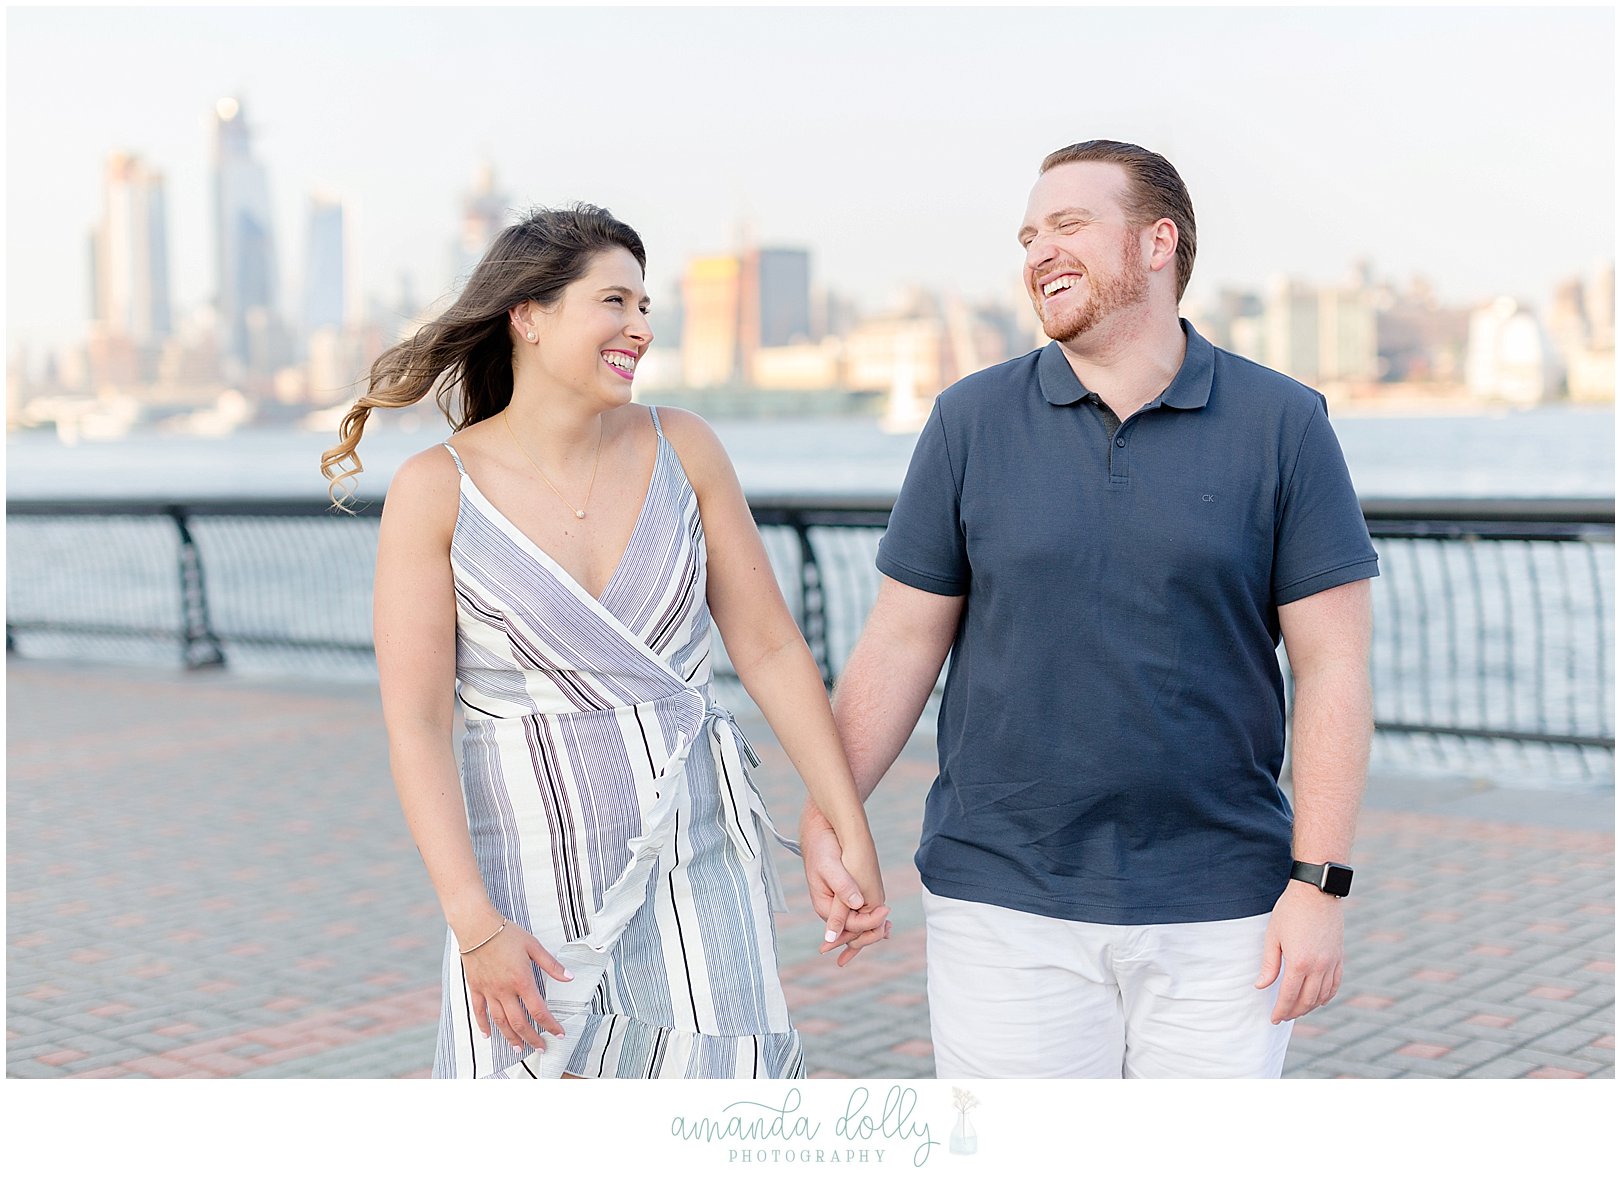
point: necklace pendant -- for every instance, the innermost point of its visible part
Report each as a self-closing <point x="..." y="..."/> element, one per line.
<point x="579" y="514"/>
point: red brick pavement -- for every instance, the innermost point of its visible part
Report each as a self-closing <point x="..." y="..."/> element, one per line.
<point x="208" y="877"/>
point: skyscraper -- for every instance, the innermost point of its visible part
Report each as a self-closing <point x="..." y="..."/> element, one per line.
<point x="484" y="213"/>
<point x="244" y="247"/>
<point x="1348" y="341"/>
<point x="130" y="256"/>
<point x="1291" y="330"/>
<point x="773" y="305"/>
<point x="736" y="306"/>
<point x="777" y="309"/>
<point x="323" y="265"/>
<point x="1510" y="355"/>
<point x="711" y="299"/>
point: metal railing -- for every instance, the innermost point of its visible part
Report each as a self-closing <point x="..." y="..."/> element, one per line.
<point x="1492" y="617"/>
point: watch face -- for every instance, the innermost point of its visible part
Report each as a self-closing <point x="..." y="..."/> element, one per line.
<point x="1336" y="879"/>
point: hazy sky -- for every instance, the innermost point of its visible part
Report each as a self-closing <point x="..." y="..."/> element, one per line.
<point x="1474" y="146"/>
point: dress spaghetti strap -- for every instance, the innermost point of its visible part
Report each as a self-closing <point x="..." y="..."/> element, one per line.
<point x="657" y="428"/>
<point x="463" y="470"/>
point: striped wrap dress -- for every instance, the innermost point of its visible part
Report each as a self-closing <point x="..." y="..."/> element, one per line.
<point x="610" y="807"/>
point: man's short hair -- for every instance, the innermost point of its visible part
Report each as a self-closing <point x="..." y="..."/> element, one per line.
<point x="1155" y="191"/>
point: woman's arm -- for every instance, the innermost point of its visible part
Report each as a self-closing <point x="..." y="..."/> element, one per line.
<point x="414" y="627"/>
<point x="768" y="651"/>
<point x="881" y="693"/>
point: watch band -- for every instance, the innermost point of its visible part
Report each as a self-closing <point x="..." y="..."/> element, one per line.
<point x="1333" y="879"/>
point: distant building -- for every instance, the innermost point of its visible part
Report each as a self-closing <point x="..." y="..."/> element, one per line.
<point x="740" y="312"/>
<point x="1291" y="333"/>
<point x="907" y="348"/>
<point x="1347" y="338"/>
<point x="1600" y="302"/>
<point x="485" y="212"/>
<point x="774" y="309"/>
<point x="1317" y="335"/>
<point x="711" y="330"/>
<point x="1510" y="357"/>
<point x="777" y="297"/>
<point x="190" y="364"/>
<point x="130" y="258"/>
<point x="1027" y="333"/>
<point x="245" y="275"/>
<point x="268" y="346"/>
<point x="337" y="365"/>
<point x="116" y="366"/>
<point x="1418" y="339"/>
<point x="976" y="337"/>
<point x="925" y="344"/>
<point x="1232" y="320"/>
<point x="800" y="367"/>
<point x="324" y="294"/>
<point x="897" y="350"/>
<point x="1581" y="323"/>
<point x="834" y="315"/>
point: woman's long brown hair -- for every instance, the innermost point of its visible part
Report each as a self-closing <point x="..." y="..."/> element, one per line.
<point x="467" y="350"/>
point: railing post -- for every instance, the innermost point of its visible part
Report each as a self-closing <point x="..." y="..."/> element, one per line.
<point x="813" y="602"/>
<point x="199" y="647"/>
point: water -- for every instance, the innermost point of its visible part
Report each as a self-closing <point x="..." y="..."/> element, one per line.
<point x="312" y="579"/>
<point x="1556" y="451"/>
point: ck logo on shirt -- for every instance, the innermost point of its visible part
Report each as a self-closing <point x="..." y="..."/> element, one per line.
<point x="1207" y="498"/>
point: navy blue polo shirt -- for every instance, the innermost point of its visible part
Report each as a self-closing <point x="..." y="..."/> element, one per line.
<point x="1112" y="726"/>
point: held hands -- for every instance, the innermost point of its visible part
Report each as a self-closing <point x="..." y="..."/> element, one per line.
<point x="502" y="987"/>
<point x="846" y="889"/>
<point x="1306" y="939"/>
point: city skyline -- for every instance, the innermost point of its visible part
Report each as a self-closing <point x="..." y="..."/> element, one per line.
<point x="926" y="217"/>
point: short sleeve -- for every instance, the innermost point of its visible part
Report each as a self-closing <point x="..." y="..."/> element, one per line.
<point x="1322" y="540"/>
<point x="924" y="545"/>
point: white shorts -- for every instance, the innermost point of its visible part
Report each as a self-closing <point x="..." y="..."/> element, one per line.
<point x="1017" y="995"/>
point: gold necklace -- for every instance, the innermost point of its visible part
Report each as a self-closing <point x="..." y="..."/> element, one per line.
<point x="579" y="513"/>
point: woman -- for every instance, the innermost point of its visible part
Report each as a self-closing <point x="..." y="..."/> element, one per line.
<point x="558" y="560"/>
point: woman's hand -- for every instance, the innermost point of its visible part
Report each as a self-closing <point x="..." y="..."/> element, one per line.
<point x="860" y="858"/>
<point x="855" y="919"/>
<point x="502" y="987"/>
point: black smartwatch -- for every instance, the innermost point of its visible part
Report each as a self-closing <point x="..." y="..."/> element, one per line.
<point x="1332" y="878"/>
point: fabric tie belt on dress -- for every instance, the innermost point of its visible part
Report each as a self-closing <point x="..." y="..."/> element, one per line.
<point x="587" y="957"/>
<point x="730" y="747"/>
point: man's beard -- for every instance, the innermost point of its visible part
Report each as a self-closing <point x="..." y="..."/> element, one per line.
<point x="1106" y="294"/>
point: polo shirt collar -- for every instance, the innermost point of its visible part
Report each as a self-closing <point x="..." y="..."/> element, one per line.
<point x="1189" y="389"/>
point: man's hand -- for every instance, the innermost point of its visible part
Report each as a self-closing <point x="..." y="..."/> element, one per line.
<point x="1306" y="940"/>
<point x="834" y="893"/>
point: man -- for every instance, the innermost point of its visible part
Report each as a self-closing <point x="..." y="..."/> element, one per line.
<point x="1109" y="535"/>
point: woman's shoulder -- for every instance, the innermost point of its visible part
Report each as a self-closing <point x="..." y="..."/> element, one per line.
<point x="688" y="432"/>
<point x="425" y="488"/>
<point x="680" y="422"/>
<point x="696" y="445"/>
<point x="434" y="467"/>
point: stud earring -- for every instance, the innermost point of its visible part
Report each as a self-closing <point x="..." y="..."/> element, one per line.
<point x="530" y="336"/>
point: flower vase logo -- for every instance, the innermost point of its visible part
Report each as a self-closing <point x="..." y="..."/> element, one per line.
<point x="964" y="1140"/>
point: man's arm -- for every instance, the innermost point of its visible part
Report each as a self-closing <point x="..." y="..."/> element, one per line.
<point x="1328" y="637"/>
<point x="876" y="705"/>
<point x="890" y="674"/>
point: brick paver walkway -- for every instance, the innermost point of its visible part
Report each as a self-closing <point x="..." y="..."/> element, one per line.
<point x="208" y="876"/>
